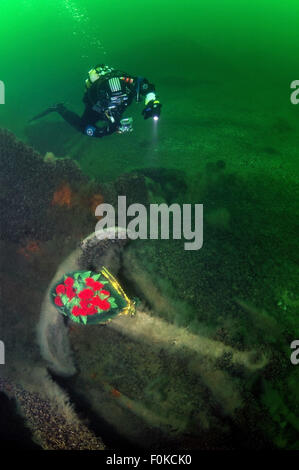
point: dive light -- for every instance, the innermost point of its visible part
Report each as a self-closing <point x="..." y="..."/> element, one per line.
<point x="153" y="110"/>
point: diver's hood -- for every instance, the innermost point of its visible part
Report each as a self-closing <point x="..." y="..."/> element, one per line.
<point x="99" y="71"/>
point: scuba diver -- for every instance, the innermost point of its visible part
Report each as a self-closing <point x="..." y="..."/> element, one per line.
<point x="108" y="92"/>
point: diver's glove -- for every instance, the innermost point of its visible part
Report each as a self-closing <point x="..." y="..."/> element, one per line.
<point x="152" y="109"/>
<point x="125" y="125"/>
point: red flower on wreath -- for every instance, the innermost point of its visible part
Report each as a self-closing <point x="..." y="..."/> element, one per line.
<point x="69" y="282"/>
<point x="85" y="294"/>
<point x="105" y="292"/>
<point x="58" y="301"/>
<point x="70" y="292"/>
<point x="83" y="311"/>
<point x="85" y="303"/>
<point x="105" y="305"/>
<point x="60" y="289"/>
<point x="102" y="304"/>
<point x="89" y="281"/>
<point x="91" y="310"/>
<point x="97" y="285"/>
<point x="76" y="311"/>
<point x="96" y="301"/>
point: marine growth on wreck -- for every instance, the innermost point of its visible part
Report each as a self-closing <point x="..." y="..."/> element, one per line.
<point x="149" y="220"/>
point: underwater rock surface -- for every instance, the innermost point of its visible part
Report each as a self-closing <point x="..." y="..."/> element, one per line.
<point x="149" y="402"/>
<point x="204" y="358"/>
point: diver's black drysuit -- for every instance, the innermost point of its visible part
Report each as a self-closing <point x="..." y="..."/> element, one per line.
<point x="106" y="100"/>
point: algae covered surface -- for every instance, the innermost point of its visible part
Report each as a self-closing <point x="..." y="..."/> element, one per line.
<point x="205" y="361"/>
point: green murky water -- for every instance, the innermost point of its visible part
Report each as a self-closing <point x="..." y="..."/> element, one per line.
<point x="210" y="62"/>
<point x="225" y="59"/>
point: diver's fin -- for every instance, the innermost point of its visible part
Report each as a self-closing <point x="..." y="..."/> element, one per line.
<point x="49" y="110"/>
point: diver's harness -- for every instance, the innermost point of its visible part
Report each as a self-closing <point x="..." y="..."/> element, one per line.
<point x="111" y="96"/>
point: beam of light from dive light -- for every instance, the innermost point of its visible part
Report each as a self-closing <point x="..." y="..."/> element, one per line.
<point x="155" y="130"/>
